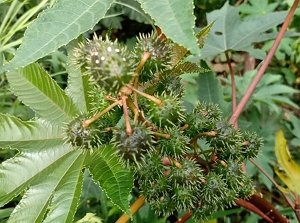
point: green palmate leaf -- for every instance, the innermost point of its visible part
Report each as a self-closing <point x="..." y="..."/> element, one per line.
<point x="54" y="195"/>
<point x="269" y="91"/>
<point x="17" y="173"/>
<point x="20" y="134"/>
<point x="78" y="86"/>
<point x="257" y="7"/>
<point x="113" y="178"/>
<point x="204" y="87"/>
<point x="176" y="19"/>
<point x="67" y="191"/>
<point x="57" y="26"/>
<point x="231" y="33"/>
<point x="36" y="89"/>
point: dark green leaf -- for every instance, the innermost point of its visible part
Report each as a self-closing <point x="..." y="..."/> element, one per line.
<point x="38" y="90"/>
<point x="176" y="20"/>
<point x="20" y="134"/>
<point x="112" y="176"/>
<point x="229" y="32"/>
<point x="56" y="26"/>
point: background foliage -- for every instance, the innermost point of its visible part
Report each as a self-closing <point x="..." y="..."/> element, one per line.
<point x="50" y="91"/>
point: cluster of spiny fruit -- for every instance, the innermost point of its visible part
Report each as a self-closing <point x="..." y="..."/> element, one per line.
<point x="182" y="161"/>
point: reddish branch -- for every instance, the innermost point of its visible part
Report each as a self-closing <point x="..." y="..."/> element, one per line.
<point x="264" y="66"/>
<point x="185" y="217"/>
<point x="263" y="205"/>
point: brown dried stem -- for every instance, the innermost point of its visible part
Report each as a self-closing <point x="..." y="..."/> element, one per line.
<point x="148" y="96"/>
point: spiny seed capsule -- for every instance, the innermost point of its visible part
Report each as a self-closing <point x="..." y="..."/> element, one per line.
<point x="160" y="51"/>
<point x="169" y="113"/>
<point x="133" y="147"/>
<point x="80" y="137"/>
<point x="106" y="62"/>
<point x="176" y="146"/>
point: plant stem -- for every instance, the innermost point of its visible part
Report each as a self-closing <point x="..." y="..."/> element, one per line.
<point x="297" y="206"/>
<point x="148" y="96"/>
<point x="264" y="66"/>
<point x="185" y="217"/>
<point x="87" y="122"/>
<point x="134" y="208"/>
<point x="267" y="208"/>
<point x="163" y="135"/>
<point x="126" y="115"/>
<point x="249" y="206"/>
<point x="139" y="68"/>
<point x="233" y="86"/>
<point x="290" y="203"/>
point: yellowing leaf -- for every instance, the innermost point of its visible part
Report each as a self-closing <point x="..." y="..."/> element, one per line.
<point x="290" y="173"/>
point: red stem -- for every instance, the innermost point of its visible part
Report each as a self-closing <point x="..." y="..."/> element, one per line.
<point x="264" y="66"/>
<point x="185" y="217"/>
<point x="249" y="206"/>
<point x="290" y="203"/>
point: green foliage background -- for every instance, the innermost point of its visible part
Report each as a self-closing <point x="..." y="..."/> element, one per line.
<point x="51" y="170"/>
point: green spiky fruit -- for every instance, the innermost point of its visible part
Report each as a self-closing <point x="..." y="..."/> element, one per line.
<point x="80" y="137"/>
<point x="251" y="144"/>
<point x="160" y="51"/>
<point x="106" y="62"/>
<point x="176" y="146"/>
<point x="169" y="113"/>
<point x="133" y="147"/>
<point x="165" y="83"/>
<point x="228" y="142"/>
<point x="172" y="188"/>
<point x="215" y="190"/>
<point x="203" y="118"/>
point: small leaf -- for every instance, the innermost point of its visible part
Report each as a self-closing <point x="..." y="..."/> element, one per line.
<point x="37" y="89"/>
<point x="176" y="20"/>
<point x="20" y="134"/>
<point x="258" y="7"/>
<point x="113" y="178"/>
<point x="179" y="52"/>
<point x="55" y="27"/>
<point x="290" y="174"/>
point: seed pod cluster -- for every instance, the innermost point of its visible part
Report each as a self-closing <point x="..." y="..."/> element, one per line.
<point x="182" y="161"/>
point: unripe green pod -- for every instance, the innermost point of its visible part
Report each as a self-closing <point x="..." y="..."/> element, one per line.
<point x="133" y="147"/>
<point x="106" y="62"/>
<point x="176" y="146"/>
<point x="203" y="118"/>
<point x="160" y="54"/>
<point x="80" y="137"/>
<point x="169" y="113"/>
<point x="251" y="144"/>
